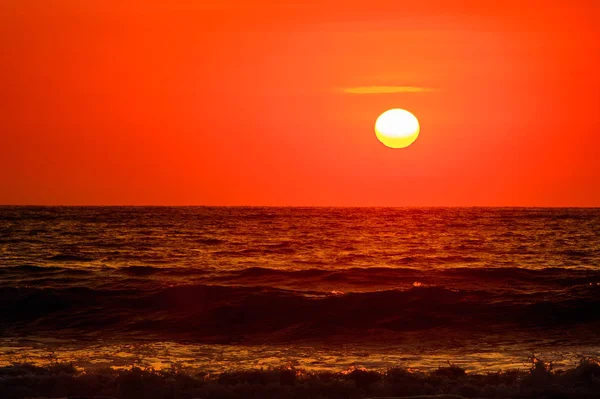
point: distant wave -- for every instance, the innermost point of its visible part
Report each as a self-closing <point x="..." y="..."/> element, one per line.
<point x="70" y="258"/>
<point x="165" y="271"/>
<point x="448" y="276"/>
<point x="209" y="241"/>
<point x="29" y="269"/>
<point x="361" y="278"/>
<point x="25" y="272"/>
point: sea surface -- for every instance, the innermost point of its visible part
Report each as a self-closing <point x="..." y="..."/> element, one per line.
<point x="322" y="288"/>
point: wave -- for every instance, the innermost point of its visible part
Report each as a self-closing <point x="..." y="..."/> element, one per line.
<point x="327" y="278"/>
<point x="70" y="258"/>
<point x="203" y="312"/>
<point x="140" y="270"/>
<point x="499" y="277"/>
<point x="209" y="241"/>
<point x="144" y="270"/>
<point x="30" y="269"/>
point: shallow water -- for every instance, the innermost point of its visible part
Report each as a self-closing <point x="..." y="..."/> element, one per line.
<point x="485" y="286"/>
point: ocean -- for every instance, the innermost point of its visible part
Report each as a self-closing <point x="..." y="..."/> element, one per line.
<point x="321" y="288"/>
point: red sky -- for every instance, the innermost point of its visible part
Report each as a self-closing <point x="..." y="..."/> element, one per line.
<point x="245" y="103"/>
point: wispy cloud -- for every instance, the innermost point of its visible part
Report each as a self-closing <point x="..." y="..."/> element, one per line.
<point x="387" y="89"/>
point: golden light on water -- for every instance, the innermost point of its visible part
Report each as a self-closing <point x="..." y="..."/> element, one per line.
<point x="397" y="128"/>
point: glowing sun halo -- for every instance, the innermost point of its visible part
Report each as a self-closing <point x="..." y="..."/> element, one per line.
<point x="397" y="128"/>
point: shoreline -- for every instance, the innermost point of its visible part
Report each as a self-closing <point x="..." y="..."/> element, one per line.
<point x="64" y="380"/>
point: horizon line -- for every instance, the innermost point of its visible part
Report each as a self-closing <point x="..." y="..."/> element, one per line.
<point x="294" y="206"/>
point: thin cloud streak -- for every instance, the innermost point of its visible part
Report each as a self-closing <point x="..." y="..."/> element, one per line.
<point x="387" y="89"/>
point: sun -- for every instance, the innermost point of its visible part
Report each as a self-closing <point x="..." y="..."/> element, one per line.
<point x="397" y="128"/>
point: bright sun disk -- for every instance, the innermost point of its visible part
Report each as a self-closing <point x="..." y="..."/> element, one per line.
<point x="397" y="128"/>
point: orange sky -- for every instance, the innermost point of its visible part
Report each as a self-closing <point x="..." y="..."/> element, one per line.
<point x="214" y="102"/>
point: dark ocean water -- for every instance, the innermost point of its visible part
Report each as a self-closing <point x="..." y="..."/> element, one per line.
<point x="319" y="277"/>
